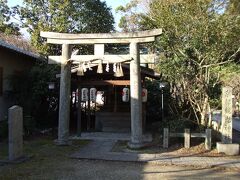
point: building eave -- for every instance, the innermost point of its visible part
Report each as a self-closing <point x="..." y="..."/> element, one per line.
<point x="19" y="50"/>
<point x="147" y="71"/>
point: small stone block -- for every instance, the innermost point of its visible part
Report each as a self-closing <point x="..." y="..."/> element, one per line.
<point x="165" y="137"/>
<point x="208" y="139"/>
<point x="187" y="137"/>
<point x="228" y="149"/>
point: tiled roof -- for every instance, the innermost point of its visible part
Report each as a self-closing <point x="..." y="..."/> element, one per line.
<point x="19" y="50"/>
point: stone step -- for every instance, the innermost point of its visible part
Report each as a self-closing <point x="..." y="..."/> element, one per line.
<point x="113" y="113"/>
<point x="115" y="117"/>
<point x="114" y="121"/>
<point x="117" y="126"/>
<point x="114" y="129"/>
<point x="120" y="119"/>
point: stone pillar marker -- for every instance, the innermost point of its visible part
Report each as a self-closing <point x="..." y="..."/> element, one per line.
<point x="226" y="128"/>
<point x="65" y="93"/>
<point x="15" y="133"/>
<point x="226" y="145"/>
<point x="136" y="98"/>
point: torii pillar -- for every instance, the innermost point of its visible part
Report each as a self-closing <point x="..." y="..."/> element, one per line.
<point x="65" y="94"/>
<point x="136" y="98"/>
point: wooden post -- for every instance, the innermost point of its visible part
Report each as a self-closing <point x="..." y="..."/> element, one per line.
<point x="89" y="113"/>
<point x="165" y="137"/>
<point x="115" y="99"/>
<point x="79" y="112"/>
<point x="208" y="139"/>
<point x="136" y="98"/>
<point x="65" y="92"/>
<point x="144" y="113"/>
<point x="187" y="137"/>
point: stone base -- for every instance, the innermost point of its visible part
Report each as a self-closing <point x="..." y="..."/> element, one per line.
<point x="16" y="161"/>
<point x="63" y="143"/>
<point x="147" y="137"/>
<point x="228" y="149"/>
<point x="136" y="145"/>
<point x="139" y="143"/>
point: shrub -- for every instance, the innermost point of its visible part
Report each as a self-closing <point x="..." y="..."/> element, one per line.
<point x="3" y="129"/>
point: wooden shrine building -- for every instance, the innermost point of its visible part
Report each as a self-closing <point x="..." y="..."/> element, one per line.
<point x="109" y="111"/>
<point x="105" y="75"/>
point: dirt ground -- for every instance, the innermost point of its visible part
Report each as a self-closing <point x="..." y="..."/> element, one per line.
<point x="176" y="148"/>
<point x="104" y="170"/>
<point x="52" y="162"/>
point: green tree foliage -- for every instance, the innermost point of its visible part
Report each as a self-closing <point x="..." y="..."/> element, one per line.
<point x="231" y="77"/>
<point x="200" y="39"/>
<point x="30" y="90"/>
<point x="6" y="26"/>
<point x="131" y="17"/>
<point x="234" y="7"/>
<point x="66" y="16"/>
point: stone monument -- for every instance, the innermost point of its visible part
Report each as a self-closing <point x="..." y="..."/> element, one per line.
<point x="226" y="145"/>
<point x="15" y="133"/>
<point x="226" y="115"/>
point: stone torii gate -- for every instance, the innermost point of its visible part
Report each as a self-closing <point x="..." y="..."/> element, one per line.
<point x="98" y="40"/>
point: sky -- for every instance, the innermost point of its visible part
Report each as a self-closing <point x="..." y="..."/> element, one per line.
<point x="111" y="3"/>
